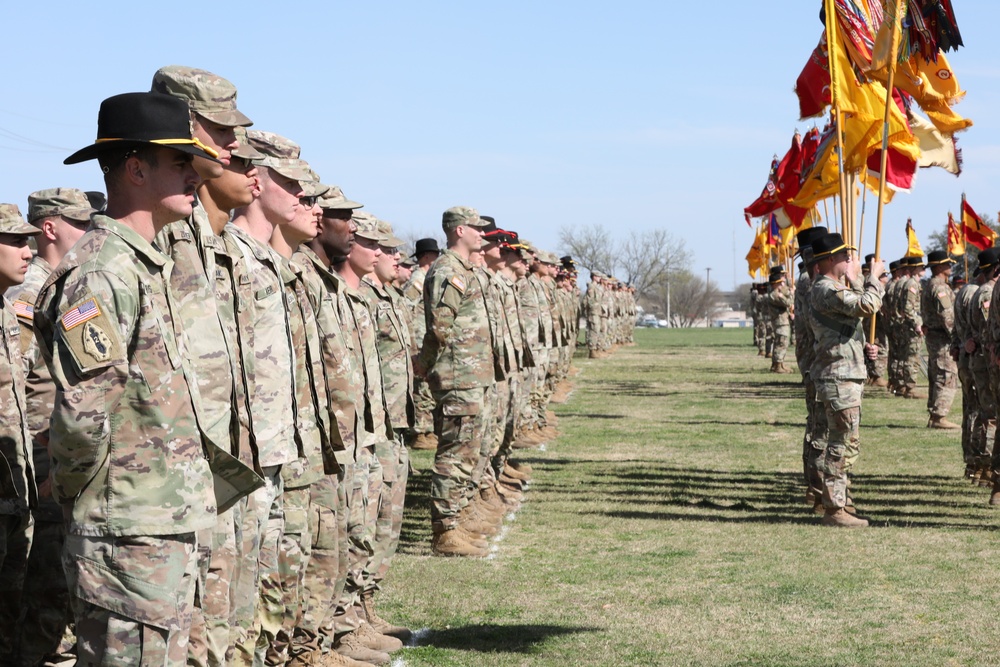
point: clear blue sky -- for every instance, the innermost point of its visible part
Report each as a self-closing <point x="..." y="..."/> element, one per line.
<point x="635" y="115"/>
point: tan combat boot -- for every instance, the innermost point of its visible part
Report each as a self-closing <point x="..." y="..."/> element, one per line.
<point x="941" y="422"/>
<point x="381" y="625"/>
<point x="452" y="543"/>
<point x="511" y="471"/>
<point x="351" y="646"/>
<point x="475" y="522"/>
<point x="376" y="641"/>
<point x="840" y="518"/>
<point x="478" y="540"/>
<point x="492" y="500"/>
<point x="880" y="382"/>
<point x="521" y="467"/>
<point x="995" y="495"/>
<point x="334" y="659"/>
<point x="425" y="441"/>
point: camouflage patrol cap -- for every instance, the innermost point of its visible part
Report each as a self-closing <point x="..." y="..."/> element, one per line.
<point x="11" y="222"/>
<point x="334" y="199"/>
<point x="207" y="94"/>
<point x="280" y="154"/>
<point x="458" y="216"/>
<point x="391" y="240"/>
<point x="245" y="150"/>
<point x="312" y="187"/>
<point x="69" y="202"/>
<point x="367" y="226"/>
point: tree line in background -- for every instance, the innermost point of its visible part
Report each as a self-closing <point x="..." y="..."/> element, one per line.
<point x="655" y="262"/>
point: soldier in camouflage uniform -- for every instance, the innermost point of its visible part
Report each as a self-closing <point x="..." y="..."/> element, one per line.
<point x="457" y="358"/>
<point x="970" y="398"/>
<point x="839" y="301"/>
<point x="984" y="428"/>
<point x="270" y="392"/>
<point x="18" y="493"/>
<point x="103" y="320"/>
<point x="756" y="313"/>
<point x="201" y="268"/>
<point x="888" y="313"/>
<point x="911" y="327"/>
<point x="394" y="344"/>
<point x="595" y="323"/>
<point x="61" y="215"/>
<point x="426" y="251"/>
<point x="780" y="301"/>
<point x="877" y="367"/>
<point x="937" y="310"/>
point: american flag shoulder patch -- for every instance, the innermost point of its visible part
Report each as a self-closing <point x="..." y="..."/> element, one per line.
<point x="458" y="283"/>
<point x="24" y="309"/>
<point x="80" y="313"/>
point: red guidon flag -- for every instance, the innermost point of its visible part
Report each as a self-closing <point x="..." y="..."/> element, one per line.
<point x="976" y="231"/>
<point x="956" y="242"/>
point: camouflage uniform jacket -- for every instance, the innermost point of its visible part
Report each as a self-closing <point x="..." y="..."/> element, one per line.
<point x="804" y="340"/>
<point x="979" y="316"/>
<point x="413" y="290"/>
<point x="992" y="336"/>
<point x="937" y="306"/>
<point x="362" y="324"/>
<point x="512" y="314"/>
<point x="546" y="335"/>
<point x="530" y="322"/>
<point x="457" y="351"/>
<point x="127" y="455"/>
<point x="40" y="392"/>
<point x="17" y="481"/>
<point x="500" y="344"/>
<point x="909" y="306"/>
<point x="309" y="401"/>
<point x="270" y="395"/>
<point x="780" y="301"/>
<point x="345" y="384"/>
<point x="835" y="316"/>
<point x="963" y="300"/>
<point x="393" y="344"/>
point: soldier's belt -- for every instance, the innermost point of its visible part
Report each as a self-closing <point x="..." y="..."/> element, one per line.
<point x="844" y="330"/>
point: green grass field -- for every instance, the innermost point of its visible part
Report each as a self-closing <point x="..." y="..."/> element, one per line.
<point x="667" y="527"/>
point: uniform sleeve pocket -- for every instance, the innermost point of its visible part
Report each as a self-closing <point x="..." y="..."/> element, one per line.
<point x="79" y="439"/>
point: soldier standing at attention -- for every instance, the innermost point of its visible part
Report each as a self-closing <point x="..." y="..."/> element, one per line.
<point x="457" y="358"/>
<point x="911" y="327"/>
<point x="62" y="216"/>
<point x="779" y="302"/>
<point x="984" y="429"/>
<point x="839" y="301"/>
<point x="104" y="322"/>
<point x="960" y="334"/>
<point x="937" y="309"/>
<point x="18" y="495"/>
<point x="426" y="251"/>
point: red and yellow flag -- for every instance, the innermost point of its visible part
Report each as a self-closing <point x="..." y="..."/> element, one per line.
<point x="976" y="231"/>
<point x="956" y="241"/>
<point x="913" y="248"/>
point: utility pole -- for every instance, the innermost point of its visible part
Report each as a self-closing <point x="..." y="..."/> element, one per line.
<point x="708" y="274"/>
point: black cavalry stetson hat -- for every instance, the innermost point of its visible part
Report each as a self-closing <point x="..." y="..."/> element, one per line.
<point x="808" y="235"/>
<point x="829" y="244"/>
<point x="426" y="245"/>
<point x="939" y="257"/>
<point x="143" y="118"/>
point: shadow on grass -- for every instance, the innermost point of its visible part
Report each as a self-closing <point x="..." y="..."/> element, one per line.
<point x="492" y="638"/>
<point x="650" y="490"/>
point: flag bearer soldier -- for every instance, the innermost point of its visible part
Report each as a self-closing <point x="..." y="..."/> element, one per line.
<point x="937" y="310"/>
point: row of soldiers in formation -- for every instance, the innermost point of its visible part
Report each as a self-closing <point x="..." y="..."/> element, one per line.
<point x="950" y="317"/>
<point x="610" y="308"/>
<point x="208" y="389"/>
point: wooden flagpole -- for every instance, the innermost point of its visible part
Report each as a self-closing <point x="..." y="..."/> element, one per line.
<point x="893" y="54"/>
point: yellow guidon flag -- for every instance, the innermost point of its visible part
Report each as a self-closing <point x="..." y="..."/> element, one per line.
<point x="913" y="248"/>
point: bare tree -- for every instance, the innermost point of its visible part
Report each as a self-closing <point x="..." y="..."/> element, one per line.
<point x="648" y="258"/>
<point x="691" y="302"/>
<point x="591" y="246"/>
<point x="938" y="240"/>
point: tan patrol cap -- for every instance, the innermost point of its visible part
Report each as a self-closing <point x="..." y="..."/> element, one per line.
<point x="334" y="199"/>
<point x="280" y="154"/>
<point x="391" y="240"/>
<point x="69" y="202"/>
<point x="367" y="226"/>
<point x="11" y="222"/>
<point x="458" y="216"/>
<point x="207" y="94"/>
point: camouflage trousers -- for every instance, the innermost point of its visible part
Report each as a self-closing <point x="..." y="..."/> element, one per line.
<point x="759" y="334"/>
<point x="877" y="367"/>
<point x="539" y="390"/>
<point x="210" y="621"/>
<point x="461" y="417"/>
<point x="395" y="462"/>
<point x="326" y="571"/>
<point x="294" y="551"/>
<point x="909" y="360"/>
<point x="132" y="597"/>
<point x="258" y="601"/>
<point x="984" y="425"/>
<point x="364" y="481"/>
<point x="970" y="403"/>
<point x="496" y="431"/>
<point x="779" y="347"/>
<point x="507" y="425"/>
<point x="525" y="417"/>
<point x="45" y="630"/>
<point x="942" y="374"/>
<point x="768" y="337"/>
<point x="423" y="407"/>
<point x="816" y="436"/>
<point x="594" y="337"/>
<point x="841" y="401"/>
<point x="15" y="543"/>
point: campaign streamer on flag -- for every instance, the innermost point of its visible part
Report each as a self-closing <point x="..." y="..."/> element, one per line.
<point x="976" y="231"/>
<point x="956" y="242"/>
<point x="913" y="248"/>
